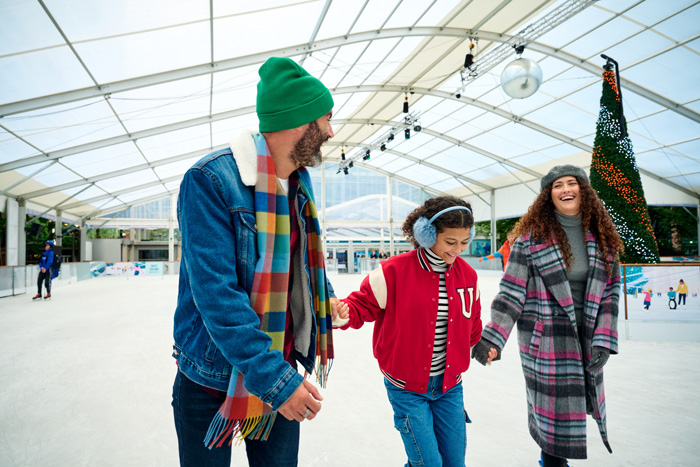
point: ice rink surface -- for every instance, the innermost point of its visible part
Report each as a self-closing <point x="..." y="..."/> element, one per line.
<point x="86" y="380"/>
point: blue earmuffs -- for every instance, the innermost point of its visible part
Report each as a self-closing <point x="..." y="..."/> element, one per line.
<point x="425" y="232"/>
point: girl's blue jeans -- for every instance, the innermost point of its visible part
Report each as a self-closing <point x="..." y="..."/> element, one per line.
<point x="432" y="424"/>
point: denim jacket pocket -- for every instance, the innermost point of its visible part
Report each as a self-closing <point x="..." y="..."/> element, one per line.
<point x="246" y="246"/>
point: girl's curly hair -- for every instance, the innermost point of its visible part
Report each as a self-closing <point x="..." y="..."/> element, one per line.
<point x="594" y="217"/>
<point x="453" y="219"/>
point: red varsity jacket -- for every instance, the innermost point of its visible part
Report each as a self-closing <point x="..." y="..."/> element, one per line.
<point x="401" y="295"/>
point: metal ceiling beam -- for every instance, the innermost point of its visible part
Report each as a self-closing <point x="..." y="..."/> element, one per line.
<point x="230" y="64"/>
<point x="251" y="109"/>
<point x="450" y="139"/>
<point x="124" y="138"/>
<point x="137" y="202"/>
<point x="430" y="165"/>
<point x="119" y="173"/>
<point x="124" y="191"/>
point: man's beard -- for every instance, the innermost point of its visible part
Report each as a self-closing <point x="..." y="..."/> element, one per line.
<point x="307" y="151"/>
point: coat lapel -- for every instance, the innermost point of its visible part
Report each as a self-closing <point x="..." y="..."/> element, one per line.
<point x="548" y="260"/>
<point x="595" y="286"/>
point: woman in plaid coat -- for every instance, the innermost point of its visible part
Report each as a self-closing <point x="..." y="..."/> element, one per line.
<point x="561" y="288"/>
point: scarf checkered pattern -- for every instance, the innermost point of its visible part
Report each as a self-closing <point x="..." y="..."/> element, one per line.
<point x="242" y="415"/>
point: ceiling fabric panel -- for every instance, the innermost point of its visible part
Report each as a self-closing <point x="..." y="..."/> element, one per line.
<point x="158" y="84"/>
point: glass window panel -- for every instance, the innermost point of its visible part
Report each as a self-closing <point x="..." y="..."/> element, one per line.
<point x="564" y="118"/>
<point x="488" y="121"/>
<point x="588" y="99"/>
<point x="175" y="185"/>
<point x="447" y="185"/>
<point x="583" y="22"/>
<point x="175" y="142"/>
<point x="340" y="16"/>
<point x="533" y="158"/>
<point x="691" y="181"/>
<point x="105" y="160"/>
<point x="176" y="168"/>
<point x="679" y="86"/>
<point x="695" y="45"/>
<point x="225" y="130"/>
<point x="142" y="194"/>
<point x="422" y="174"/>
<point x="667" y="163"/>
<point x="444" y="125"/>
<point x="438" y="12"/>
<point x="460" y="160"/>
<point x="24" y="26"/>
<point x="615" y="5"/>
<point x="498" y="145"/>
<point x="523" y="136"/>
<point x="347" y="109"/>
<point x="465" y="132"/>
<point x="225" y="8"/>
<point x="552" y="67"/>
<point x="54" y="175"/>
<point x="92" y="192"/>
<point x="231" y="33"/>
<point x="691" y="148"/>
<point x="147" y="53"/>
<point x="666" y="127"/>
<point x="588" y="139"/>
<point x="345" y="59"/>
<point x="396" y="165"/>
<point x="651" y="12"/>
<point x="491" y="171"/>
<point x="566" y="82"/>
<point x="422" y="152"/>
<point x="637" y="47"/>
<point x="160" y="105"/>
<point x="88" y="19"/>
<point x="67" y="125"/>
<point x="20" y="80"/>
<point x="496" y="97"/>
<point x="127" y="181"/>
<point x="382" y="159"/>
<point x="559" y="151"/>
<point x="235" y="89"/>
<point x="597" y="40"/>
<point x="407" y="14"/>
<point x="527" y="105"/>
<point x="373" y="16"/>
<point x="378" y="54"/>
<point x="12" y="149"/>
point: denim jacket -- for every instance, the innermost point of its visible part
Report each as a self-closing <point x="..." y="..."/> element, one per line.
<point x="215" y="327"/>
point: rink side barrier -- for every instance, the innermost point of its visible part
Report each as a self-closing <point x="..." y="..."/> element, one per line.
<point x="665" y="319"/>
<point x="18" y="280"/>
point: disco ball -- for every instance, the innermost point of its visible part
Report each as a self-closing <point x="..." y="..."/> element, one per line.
<point x="521" y="78"/>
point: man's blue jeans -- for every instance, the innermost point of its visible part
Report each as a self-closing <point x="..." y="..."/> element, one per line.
<point x="432" y="425"/>
<point x="194" y="409"/>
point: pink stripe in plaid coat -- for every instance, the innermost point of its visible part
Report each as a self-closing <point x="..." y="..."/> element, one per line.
<point x="535" y="295"/>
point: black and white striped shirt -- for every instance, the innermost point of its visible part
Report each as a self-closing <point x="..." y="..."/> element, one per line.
<point x="440" y="346"/>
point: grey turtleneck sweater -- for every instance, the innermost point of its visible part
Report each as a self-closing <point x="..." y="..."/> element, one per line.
<point x="578" y="274"/>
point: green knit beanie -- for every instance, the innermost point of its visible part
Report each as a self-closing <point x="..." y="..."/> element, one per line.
<point x="288" y="96"/>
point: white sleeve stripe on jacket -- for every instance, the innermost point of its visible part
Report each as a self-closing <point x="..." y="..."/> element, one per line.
<point x="377" y="282"/>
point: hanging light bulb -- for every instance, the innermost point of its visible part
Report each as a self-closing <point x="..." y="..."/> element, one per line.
<point x="522" y="77"/>
<point x="405" y="104"/>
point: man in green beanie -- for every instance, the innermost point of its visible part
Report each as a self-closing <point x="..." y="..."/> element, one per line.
<point x="254" y="300"/>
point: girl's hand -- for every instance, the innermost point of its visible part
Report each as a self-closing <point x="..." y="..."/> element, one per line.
<point x="493" y="353"/>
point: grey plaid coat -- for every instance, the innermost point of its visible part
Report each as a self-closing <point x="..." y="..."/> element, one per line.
<point x="535" y="295"/>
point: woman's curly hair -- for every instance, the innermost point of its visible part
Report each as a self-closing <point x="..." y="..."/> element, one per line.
<point x="453" y="219"/>
<point x="594" y="217"/>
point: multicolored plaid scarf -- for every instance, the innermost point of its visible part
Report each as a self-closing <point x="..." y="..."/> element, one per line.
<point x="243" y="415"/>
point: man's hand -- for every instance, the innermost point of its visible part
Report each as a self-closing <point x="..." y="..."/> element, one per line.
<point x="43" y="270"/>
<point x="305" y="401"/>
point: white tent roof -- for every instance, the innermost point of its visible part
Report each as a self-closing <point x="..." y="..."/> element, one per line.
<point x="106" y="104"/>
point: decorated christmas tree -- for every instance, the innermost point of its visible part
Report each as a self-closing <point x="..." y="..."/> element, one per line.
<point x="614" y="175"/>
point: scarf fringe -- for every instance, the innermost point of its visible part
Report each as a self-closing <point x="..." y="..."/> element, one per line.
<point x="322" y="370"/>
<point x="222" y="430"/>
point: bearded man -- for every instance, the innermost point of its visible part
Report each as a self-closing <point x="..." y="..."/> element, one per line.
<point x="254" y="299"/>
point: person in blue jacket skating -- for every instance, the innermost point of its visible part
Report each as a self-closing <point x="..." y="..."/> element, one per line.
<point x="45" y="271"/>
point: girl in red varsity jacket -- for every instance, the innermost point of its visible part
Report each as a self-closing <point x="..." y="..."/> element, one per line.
<point x="427" y="313"/>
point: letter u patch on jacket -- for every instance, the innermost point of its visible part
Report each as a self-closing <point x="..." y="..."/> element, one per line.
<point x="466" y="296"/>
